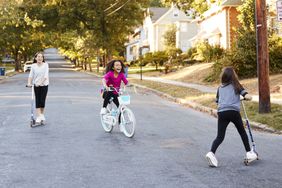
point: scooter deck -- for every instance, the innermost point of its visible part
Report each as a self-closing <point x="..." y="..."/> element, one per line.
<point x="248" y="162"/>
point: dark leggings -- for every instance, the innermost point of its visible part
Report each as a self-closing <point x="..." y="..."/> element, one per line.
<point x="107" y="95"/>
<point x="40" y="96"/>
<point x="224" y="118"/>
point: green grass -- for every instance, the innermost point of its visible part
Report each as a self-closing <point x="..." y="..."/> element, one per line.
<point x="273" y="119"/>
<point x="175" y="91"/>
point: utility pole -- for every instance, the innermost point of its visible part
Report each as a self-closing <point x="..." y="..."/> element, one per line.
<point x="262" y="57"/>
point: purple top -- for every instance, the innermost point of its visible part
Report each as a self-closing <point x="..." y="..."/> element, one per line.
<point x="115" y="81"/>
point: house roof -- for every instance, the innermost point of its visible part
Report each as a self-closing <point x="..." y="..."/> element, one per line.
<point x="226" y="3"/>
<point x="157" y="12"/>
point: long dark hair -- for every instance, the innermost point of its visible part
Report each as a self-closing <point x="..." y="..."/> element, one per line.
<point x="110" y="65"/>
<point x="34" y="58"/>
<point x="229" y="76"/>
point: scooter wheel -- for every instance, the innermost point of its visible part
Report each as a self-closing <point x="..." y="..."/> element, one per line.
<point x="246" y="162"/>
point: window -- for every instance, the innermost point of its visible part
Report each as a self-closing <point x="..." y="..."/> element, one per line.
<point x="183" y="27"/>
<point x="175" y="13"/>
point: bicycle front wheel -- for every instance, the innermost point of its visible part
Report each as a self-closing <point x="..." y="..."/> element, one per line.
<point x="107" y="123"/>
<point x="128" y="122"/>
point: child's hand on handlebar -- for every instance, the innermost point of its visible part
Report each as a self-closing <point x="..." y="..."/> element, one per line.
<point x="248" y="97"/>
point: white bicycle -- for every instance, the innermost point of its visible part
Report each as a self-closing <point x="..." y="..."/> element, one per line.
<point x="121" y="115"/>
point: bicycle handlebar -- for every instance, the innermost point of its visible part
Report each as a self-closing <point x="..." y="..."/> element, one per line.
<point x="118" y="90"/>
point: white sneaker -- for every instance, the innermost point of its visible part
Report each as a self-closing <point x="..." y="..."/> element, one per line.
<point x="38" y="120"/>
<point x="103" y="111"/>
<point x="121" y="128"/>
<point x="251" y="156"/>
<point x="42" y="117"/>
<point x="211" y="159"/>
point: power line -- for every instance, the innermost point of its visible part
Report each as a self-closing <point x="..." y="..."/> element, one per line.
<point x="111" y="6"/>
<point x="118" y="8"/>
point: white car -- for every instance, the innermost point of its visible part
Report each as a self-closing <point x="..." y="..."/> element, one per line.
<point x="27" y="66"/>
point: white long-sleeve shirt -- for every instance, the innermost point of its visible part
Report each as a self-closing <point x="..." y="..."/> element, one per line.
<point x="39" y="74"/>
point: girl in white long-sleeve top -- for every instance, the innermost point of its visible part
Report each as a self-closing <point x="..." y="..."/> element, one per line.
<point x="39" y="78"/>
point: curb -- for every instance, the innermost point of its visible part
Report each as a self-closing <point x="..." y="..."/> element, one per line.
<point x="10" y="72"/>
<point x="210" y="111"/>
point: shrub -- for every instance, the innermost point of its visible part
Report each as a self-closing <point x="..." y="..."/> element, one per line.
<point x="207" y="52"/>
<point x="275" y="54"/>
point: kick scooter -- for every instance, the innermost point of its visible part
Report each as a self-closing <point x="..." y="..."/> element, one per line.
<point x="32" y="115"/>
<point x="253" y="148"/>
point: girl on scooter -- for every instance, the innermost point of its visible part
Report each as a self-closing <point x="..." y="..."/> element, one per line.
<point x="228" y="100"/>
<point x="39" y="78"/>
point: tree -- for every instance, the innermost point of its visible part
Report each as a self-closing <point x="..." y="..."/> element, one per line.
<point x="107" y="21"/>
<point x="195" y="7"/>
<point x="170" y="37"/>
<point x="156" y="3"/>
<point x="18" y="31"/>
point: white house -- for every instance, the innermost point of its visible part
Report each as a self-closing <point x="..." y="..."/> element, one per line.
<point x="218" y="23"/>
<point x="149" y="37"/>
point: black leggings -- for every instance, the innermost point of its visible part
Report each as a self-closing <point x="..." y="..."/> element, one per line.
<point x="224" y="118"/>
<point x="40" y="96"/>
<point x="107" y="95"/>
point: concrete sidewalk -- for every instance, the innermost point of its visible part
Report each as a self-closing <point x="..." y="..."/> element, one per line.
<point x="202" y="88"/>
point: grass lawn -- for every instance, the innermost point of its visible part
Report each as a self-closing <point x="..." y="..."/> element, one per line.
<point x="273" y="119"/>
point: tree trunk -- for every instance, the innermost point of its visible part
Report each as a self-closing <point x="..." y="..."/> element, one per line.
<point x="262" y="57"/>
<point x="17" y="62"/>
<point x="90" y="67"/>
<point x="98" y="60"/>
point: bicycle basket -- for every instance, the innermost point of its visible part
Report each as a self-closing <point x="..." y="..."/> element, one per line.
<point x="124" y="99"/>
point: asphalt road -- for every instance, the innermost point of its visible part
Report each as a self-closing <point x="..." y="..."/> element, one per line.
<point x="168" y="149"/>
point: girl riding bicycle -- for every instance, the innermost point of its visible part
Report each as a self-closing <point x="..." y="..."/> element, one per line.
<point x="113" y="77"/>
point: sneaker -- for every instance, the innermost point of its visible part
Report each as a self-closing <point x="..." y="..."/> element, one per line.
<point x="103" y="111"/>
<point x="42" y="117"/>
<point x="38" y="120"/>
<point x="121" y="128"/>
<point x="211" y="159"/>
<point x="251" y="156"/>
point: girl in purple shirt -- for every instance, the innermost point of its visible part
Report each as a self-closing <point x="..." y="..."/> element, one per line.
<point x="113" y="77"/>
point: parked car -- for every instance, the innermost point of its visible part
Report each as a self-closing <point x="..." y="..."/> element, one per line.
<point x="27" y="66"/>
<point x="8" y="60"/>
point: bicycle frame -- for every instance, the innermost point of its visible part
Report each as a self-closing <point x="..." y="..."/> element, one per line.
<point x="119" y="110"/>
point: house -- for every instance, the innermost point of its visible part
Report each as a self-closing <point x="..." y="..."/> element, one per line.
<point x="218" y="23"/>
<point x="150" y="36"/>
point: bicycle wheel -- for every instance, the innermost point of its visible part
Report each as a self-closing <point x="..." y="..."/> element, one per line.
<point x="128" y="122"/>
<point x="107" y="122"/>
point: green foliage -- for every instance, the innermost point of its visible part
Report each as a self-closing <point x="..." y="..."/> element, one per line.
<point x="275" y="54"/>
<point x="207" y="52"/>
<point x="80" y="31"/>
<point x="156" y="3"/>
<point x="170" y="37"/>
<point x="242" y="57"/>
<point x="197" y="7"/>
<point x="247" y="15"/>
<point x="192" y="52"/>
<point x="20" y="30"/>
<point x="156" y="58"/>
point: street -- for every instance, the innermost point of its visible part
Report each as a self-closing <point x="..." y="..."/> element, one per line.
<point x="73" y="150"/>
